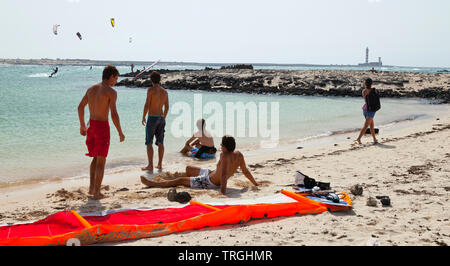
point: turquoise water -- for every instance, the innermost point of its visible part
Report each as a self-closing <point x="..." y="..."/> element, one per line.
<point x="39" y="128"/>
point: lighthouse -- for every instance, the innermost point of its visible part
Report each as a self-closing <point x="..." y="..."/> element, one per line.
<point x="371" y="64"/>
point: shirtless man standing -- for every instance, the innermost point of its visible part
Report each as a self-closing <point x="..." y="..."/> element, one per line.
<point x="101" y="98"/>
<point x="197" y="177"/>
<point x="157" y="97"/>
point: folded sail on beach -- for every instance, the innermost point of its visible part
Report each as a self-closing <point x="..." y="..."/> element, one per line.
<point x="63" y="227"/>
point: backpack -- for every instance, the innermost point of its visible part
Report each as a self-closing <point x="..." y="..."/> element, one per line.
<point x="309" y="182"/>
<point x="303" y="180"/>
<point x="373" y="101"/>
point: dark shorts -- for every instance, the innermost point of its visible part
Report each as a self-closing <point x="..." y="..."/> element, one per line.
<point x="205" y="149"/>
<point x="368" y="114"/>
<point x="97" y="139"/>
<point x="155" y="127"/>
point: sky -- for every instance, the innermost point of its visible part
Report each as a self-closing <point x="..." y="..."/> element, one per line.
<point x="401" y="32"/>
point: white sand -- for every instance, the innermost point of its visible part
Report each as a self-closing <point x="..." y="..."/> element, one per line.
<point x="411" y="165"/>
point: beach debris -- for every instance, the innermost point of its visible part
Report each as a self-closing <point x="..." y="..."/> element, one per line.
<point x="356" y="190"/>
<point x="171" y="195"/>
<point x="372" y="202"/>
<point x="385" y="200"/>
<point x="256" y="165"/>
<point x="375" y="129"/>
<point x="181" y="197"/>
<point x="67" y="195"/>
<point x="372" y="241"/>
<point x="299" y="147"/>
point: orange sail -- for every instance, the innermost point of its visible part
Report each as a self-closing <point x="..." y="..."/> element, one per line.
<point x="66" y="227"/>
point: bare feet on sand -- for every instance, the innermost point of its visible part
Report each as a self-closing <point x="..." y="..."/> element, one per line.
<point x="148" y="168"/>
<point x="99" y="196"/>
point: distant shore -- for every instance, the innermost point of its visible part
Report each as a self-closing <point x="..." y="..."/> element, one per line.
<point x="302" y="82"/>
<point x="89" y="62"/>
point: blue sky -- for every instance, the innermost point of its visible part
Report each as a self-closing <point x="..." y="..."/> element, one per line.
<point x="402" y="32"/>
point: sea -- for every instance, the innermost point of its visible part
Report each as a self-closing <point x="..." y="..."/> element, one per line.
<point x="39" y="126"/>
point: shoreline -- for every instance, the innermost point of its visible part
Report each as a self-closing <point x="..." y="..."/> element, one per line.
<point x="414" y="176"/>
<point x="285" y="145"/>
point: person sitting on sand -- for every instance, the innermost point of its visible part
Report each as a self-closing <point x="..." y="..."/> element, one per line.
<point x="101" y="98"/>
<point x="368" y="114"/>
<point x="203" y="141"/>
<point x="196" y="177"/>
<point x="157" y="97"/>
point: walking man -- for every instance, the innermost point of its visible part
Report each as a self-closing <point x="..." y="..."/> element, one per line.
<point x="101" y="98"/>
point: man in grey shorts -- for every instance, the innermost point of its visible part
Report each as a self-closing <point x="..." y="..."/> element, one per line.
<point x="230" y="161"/>
<point x="157" y="98"/>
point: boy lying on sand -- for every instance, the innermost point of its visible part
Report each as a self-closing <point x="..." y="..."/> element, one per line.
<point x="197" y="177"/>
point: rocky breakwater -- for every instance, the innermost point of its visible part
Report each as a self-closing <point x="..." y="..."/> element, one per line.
<point x="299" y="82"/>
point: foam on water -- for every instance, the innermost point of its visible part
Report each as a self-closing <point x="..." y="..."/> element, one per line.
<point x="39" y="75"/>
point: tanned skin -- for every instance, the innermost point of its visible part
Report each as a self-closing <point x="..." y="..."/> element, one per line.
<point x="101" y="98"/>
<point x="228" y="164"/>
<point x="157" y="97"/>
<point x="369" y="120"/>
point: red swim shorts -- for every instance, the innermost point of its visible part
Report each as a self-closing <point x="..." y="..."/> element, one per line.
<point x="97" y="140"/>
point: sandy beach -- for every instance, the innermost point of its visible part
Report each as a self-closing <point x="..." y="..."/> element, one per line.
<point x="410" y="165"/>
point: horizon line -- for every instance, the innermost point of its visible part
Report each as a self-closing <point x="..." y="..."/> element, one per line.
<point x="127" y="62"/>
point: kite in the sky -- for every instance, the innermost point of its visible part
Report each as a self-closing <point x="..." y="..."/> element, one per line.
<point x="131" y="39"/>
<point x="113" y="22"/>
<point x="55" y="29"/>
<point x="79" y="35"/>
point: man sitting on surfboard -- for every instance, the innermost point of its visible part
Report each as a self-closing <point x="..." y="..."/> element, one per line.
<point x="230" y="161"/>
<point x="203" y="141"/>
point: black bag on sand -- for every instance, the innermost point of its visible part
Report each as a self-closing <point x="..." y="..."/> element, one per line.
<point x="183" y="197"/>
<point x="323" y="185"/>
<point x="309" y="182"/>
<point x="300" y="179"/>
<point x="373" y="101"/>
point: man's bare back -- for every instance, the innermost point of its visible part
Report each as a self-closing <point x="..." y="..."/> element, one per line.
<point x="157" y="97"/>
